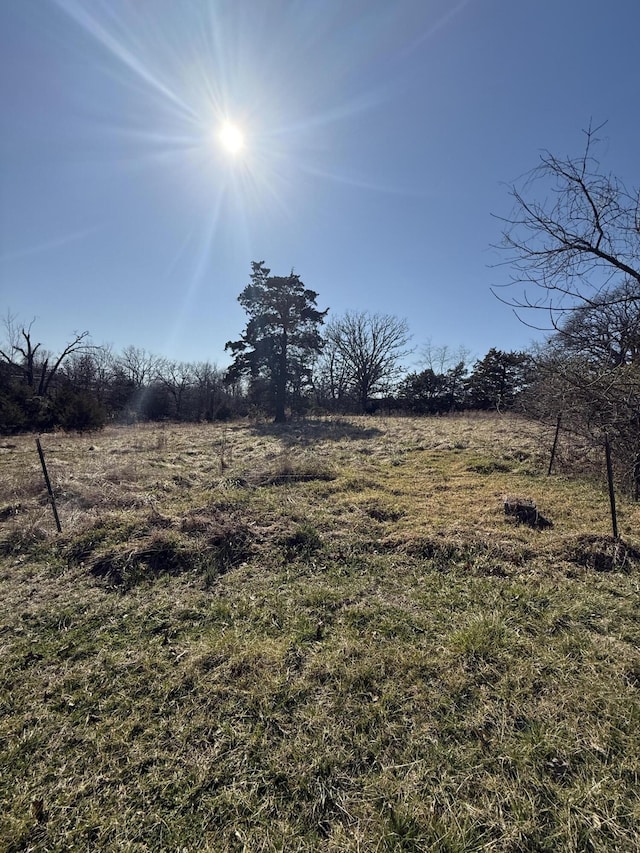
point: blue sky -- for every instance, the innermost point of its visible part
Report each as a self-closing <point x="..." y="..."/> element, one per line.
<point x="380" y="138"/>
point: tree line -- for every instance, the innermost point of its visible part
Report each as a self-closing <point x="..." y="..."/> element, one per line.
<point x="287" y="363"/>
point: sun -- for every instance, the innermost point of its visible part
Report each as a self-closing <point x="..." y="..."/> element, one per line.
<point x="231" y="138"/>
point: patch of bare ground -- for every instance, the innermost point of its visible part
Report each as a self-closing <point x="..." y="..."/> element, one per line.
<point x="326" y="636"/>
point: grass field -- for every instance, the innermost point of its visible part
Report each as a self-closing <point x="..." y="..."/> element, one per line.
<point x="323" y="636"/>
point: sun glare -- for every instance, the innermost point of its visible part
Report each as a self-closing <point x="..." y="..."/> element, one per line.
<point x="231" y="138"/>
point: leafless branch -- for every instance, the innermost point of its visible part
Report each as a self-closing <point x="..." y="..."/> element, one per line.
<point x="572" y="235"/>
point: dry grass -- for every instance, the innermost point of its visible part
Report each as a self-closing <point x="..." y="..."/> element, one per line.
<point x="326" y="636"/>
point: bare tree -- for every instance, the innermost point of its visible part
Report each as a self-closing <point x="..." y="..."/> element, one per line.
<point x="588" y="372"/>
<point x="607" y="332"/>
<point x="368" y="350"/>
<point x="440" y="359"/>
<point x="597" y="399"/>
<point x="332" y="382"/>
<point x="90" y="370"/>
<point x="573" y="243"/>
<point x="579" y="243"/>
<point x="209" y="389"/>
<point x="138" y="366"/>
<point x="36" y="366"/>
<point x="177" y="377"/>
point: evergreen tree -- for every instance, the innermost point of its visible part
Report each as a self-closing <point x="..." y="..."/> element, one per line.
<point x="498" y="379"/>
<point x="432" y="393"/>
<point x="280" y="338"/>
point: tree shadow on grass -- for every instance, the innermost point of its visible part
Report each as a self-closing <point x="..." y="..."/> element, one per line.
<point x="303" y="433"/>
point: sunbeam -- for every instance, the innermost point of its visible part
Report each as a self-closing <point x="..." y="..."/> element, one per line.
<point x="49" y="245"/>
<point x="433" y="28"/>
<point x="188" y="297"/>
<point x="371" y="186"/>
<point x="94" y="28"/>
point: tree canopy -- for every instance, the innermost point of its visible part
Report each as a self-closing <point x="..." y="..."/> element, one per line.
<point x="498" y="379"/>
<point x="365" y="352"/>
<point x="281" y="336"/>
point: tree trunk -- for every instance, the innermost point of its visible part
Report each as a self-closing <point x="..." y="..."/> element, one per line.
<point x="281" y="384"/>
<point x="280" y="414"/>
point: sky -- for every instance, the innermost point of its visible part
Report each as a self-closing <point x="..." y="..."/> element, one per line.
<point x="380" y="142"/>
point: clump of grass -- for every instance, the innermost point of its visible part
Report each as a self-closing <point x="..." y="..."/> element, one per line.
<point x="449" y="551"/>
<point x="490" y="467"/>
<point x="381" y="511"/>
<point x="21" y="538"/>
<point x="304" y="542"/>
<point x="602" y="553"/>
<point x="482" y="639"/>
<point x="141" y="550"/>
<point x="163" y="553"/>
<point x="289" y="469"/>
<point x="108" y="531"/>
<point x="161" y="442"/>
<point x="226" y="550"/>
<point x="223" y="533"/>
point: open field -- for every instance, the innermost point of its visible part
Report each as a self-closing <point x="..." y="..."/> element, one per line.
<point x="324" y="636"/>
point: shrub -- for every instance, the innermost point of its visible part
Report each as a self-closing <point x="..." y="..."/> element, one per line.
<point x="78" y="410"/>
